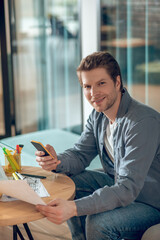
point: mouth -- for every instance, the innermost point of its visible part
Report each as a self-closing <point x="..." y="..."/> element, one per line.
<point x="98" y="101"/>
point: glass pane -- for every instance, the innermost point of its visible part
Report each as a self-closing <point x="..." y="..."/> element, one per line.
<point x="46" y="54"/>
<point x="130" y="31"/>
<point x="2" y="124"/>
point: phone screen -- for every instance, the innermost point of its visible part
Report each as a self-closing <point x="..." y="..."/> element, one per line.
<point x="39" y="146"/>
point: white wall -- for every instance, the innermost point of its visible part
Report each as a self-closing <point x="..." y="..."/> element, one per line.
<point x="89" y="33"/>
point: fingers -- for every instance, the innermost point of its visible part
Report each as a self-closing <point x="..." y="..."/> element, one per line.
<point x="45" y="209"/>
<point x="53" y="214"/>
<point x="50" y="167"/>
<point x="55" y="220"/>
<point x="51" y="208"/>
<point x="39" y="153"/>
<point x="58" y="210"/>
<point x="54" y="202"/>
<point x="49" y="148"/>
<point x="47" y="162"/>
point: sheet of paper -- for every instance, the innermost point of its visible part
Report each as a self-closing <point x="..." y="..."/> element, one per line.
<point x="6" y="198"/>
<point x="37" y="186"/>
<point x="21" y="190"/>
<point x="2" y="174"/>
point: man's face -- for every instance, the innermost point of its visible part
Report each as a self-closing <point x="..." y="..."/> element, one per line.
<point x="100" y="90"/>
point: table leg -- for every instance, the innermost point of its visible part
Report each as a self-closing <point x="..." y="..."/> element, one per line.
<point x="28" y="231"/>
<point x="17" y="231"/>
<point x="14" y="232"/>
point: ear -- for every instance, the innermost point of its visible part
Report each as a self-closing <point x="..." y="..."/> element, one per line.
<point x="118" y="82"/>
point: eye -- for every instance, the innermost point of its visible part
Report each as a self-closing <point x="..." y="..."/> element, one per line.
<point x="101" y="83"/>
<point x="87" y="86"/>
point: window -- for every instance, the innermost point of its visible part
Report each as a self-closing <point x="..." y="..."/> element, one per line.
<point x="130" y="31"/>
<point x="46" y="53"/>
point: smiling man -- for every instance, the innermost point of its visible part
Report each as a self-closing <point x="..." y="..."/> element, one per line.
<point x="101" y="91"/>
<point x="123" y="200"/>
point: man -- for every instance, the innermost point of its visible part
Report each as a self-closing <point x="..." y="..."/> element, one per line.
<point x="124" y="200"/>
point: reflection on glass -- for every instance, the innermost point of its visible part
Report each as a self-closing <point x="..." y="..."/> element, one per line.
<point x="45" y="42"/>
<point x="2" y="124"/>
<point x="129" y="32"/>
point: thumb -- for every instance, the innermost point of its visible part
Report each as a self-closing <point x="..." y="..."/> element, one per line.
<point x="51" y="150"/>
<point x="54" y="202"/>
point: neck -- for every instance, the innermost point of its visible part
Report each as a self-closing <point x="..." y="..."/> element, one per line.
<point x="111" y="113"/>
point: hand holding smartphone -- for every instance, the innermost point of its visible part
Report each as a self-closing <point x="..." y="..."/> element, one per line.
<point x="40" y="147"/>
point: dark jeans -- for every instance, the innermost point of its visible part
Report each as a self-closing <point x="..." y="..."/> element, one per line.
<point x="121" y="223"/>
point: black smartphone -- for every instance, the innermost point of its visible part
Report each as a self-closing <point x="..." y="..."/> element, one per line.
<point x="39" y="146"/>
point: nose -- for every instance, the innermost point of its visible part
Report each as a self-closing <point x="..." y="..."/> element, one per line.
<point x="94" y="91"/>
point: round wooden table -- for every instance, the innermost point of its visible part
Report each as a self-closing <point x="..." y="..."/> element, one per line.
<point x="17" y="212"/>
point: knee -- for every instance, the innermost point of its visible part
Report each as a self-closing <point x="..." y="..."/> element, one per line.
<point x="92" y="227"/>
<point x="98" y="228"/>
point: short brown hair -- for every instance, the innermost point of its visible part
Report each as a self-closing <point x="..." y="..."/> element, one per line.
<point x="100" y="60"/>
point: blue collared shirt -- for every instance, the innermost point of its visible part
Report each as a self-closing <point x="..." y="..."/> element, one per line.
<point x="136" y="167"/>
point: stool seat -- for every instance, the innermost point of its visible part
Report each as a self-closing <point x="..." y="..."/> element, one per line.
<point x="152" y="233"/>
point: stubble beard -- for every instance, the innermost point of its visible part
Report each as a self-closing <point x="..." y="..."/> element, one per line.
<point x="109" y="104"/>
